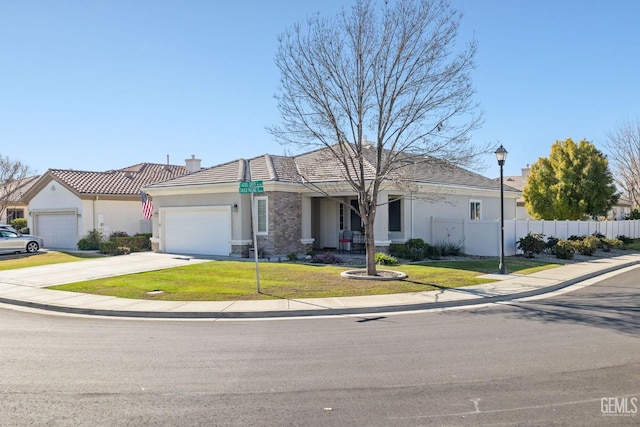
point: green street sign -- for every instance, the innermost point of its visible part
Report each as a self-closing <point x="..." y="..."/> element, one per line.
<point x="251" y="187"/>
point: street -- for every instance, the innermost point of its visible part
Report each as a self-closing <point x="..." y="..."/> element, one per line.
<point x="545" y="362"/>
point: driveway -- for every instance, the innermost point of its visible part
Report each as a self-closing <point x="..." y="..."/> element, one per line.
<point x="69" y="272"/>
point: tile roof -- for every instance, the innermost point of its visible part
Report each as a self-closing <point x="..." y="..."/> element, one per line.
<point x="321" y="166"/>
<point x="125" y="181"/>
<point x="18" y="188"/>
<point x="516" y="181"/>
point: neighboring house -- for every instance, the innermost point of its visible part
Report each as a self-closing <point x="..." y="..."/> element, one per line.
<point x="65" y="204"/>
<point x="14" y="205"/>
<point x="204" y="212"/>
<point x="621" y="210"/>
<point x="518" y="182"/>
<point x="618" y="212"/>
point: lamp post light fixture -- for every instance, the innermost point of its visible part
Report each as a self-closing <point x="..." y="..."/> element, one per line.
<point x="501" y="156"/>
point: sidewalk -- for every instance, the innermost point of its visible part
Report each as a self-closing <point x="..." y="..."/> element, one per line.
<point x="25" y="287"/>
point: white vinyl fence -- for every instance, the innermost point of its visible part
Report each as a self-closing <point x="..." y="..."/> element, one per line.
<point x="482" y="237"/>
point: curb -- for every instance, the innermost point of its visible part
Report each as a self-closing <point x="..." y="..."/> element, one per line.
<point x="310" y="313"/>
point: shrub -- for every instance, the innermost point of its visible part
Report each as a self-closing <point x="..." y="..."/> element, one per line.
<point x="122" y="250"/>
<point x="574" y="238"/>
<point x="112" y="247"/>
<point x="20" y="224"/>
<point x="292" y="256"/>
<point x="107" y="247"/>
<point x="607" y="244"/>
<point x="416" y="249"/>
<point x="624" y="239"/>
<point x="327" y="258"/>
<point x="635" y="214"/>
<point x="398" y="250"/>
<point x="137" y="243"/>
<point x="531" y="244"/>
<point x="118" y="234"/>
<point x="449" y="248"/>
<point x="550" y="245"/>
<point x="384" y="259"/>
<point x="565" y="249"/>
<point x="91" y="242"/>
<point x="587" y="246"/>
<point x="433" y="252"/>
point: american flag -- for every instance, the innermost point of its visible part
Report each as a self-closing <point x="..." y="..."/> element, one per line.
<point x="147" y="206"/>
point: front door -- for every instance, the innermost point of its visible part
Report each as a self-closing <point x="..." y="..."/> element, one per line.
<point x="330" y="223"/>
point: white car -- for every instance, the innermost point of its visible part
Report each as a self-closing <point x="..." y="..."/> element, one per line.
<point x="12" y="242"/>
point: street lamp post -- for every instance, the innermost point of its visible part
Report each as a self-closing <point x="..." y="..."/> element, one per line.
<point x="501" y="156"/>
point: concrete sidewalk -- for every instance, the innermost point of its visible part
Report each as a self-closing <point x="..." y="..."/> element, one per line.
<point x="25" y="287"/>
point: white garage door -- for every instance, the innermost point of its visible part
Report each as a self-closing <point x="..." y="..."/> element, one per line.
<point x="57" y="230"/>
<point x="201" y="231"/>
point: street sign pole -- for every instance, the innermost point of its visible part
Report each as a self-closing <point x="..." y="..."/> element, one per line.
<point x="254" y="222"/>
<point x="252" y="187"/>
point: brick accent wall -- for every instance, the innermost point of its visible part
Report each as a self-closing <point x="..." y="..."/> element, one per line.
<point x="285" y="224"/>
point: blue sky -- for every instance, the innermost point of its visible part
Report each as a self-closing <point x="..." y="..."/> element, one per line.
<point x="103" y="84"/>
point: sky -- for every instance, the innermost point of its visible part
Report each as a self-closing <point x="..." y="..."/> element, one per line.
<point x="103" y="84"/>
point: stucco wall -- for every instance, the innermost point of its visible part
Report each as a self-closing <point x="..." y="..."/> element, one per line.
<point x="108" y="216"/>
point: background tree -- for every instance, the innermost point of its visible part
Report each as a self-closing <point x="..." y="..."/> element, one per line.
<point x="389" y="72"/>
<point x="12" y="173"/>
<point x="623" y="149"/>
<point x="573" y="183"/>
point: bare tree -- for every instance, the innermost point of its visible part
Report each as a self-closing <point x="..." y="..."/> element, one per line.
<point x="623" y="151"/>
<point x="12" y="174"/>
<point x="389" y="72"/>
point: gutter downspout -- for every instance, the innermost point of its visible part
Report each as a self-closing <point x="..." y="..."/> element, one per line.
<point x="93" y="214"/>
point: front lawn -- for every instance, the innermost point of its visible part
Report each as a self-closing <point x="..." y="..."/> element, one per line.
<point x="235" y="280"/>
<point x="10" y="262"/>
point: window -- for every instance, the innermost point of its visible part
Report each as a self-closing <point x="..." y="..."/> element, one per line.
<point x="14" y="214"/>
<point x="263" y="215"/>
<point x="475" y="206"/>
<point x="341" y="216"/>
<point x="395" y="217"/>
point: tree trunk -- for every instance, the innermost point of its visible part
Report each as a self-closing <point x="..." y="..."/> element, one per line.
<point x="370" y="246"/>
<point x="371" y="254"/>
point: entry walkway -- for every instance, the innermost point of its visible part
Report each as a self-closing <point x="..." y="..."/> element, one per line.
<point x="26" y="287"/>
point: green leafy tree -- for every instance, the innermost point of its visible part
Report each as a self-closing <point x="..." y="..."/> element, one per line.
<point x="573" y="183"/>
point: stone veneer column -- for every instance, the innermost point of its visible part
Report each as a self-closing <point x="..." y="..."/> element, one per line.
<point x="285" y="222"/>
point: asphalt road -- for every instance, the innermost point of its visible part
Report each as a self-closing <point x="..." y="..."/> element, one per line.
<point x="544" y="362"/>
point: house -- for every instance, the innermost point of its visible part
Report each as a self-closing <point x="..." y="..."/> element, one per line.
<point x="12" y="199"/>
<point x="621" y="210"/>
<point x="205" y="212"/>
<point x="64" y="205"/>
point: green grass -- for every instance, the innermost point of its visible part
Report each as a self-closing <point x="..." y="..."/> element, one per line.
<point x="235" y="280"/>
<point x="513" y="265"/>
<point x="635" y="245"/>
<point x="10" y="262"/>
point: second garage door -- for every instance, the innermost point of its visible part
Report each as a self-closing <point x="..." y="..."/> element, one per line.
<point x="201" y="231"/>
<point x="58" y="230"/>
